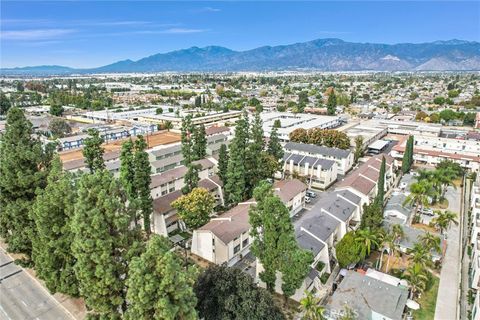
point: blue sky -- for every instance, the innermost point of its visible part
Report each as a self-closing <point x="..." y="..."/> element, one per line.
<point x="89" y="33"/>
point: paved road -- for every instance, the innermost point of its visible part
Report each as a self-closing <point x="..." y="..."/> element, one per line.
<point x="447" y="299"/>
<point x="21" y="297"/>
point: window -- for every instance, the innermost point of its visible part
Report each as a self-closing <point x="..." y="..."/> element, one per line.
<point x="245" y="243"/>
<point x="236" y="249"/>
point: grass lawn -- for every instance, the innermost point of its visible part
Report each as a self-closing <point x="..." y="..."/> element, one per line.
<point x="442" y="204"/>
<point x="427" y="302"/>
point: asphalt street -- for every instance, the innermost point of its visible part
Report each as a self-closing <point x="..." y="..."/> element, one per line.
<point x="22" y="297"/>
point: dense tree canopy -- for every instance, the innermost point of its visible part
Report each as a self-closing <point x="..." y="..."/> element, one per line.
<point x="228" y="293"/>
<point x="321" y="137"/>
<point x="195" y="207"/>
<point x="158" y="286"/>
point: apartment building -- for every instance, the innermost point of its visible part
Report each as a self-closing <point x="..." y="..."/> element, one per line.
<point x="165" y="219"/>
<point x="363" y="181"/>
<point x="172" y="180"/>
<point x="475" y="236"/>
<point x="319" y="230"/>
<point x="343" y="158"/>
<point x="432" y="150"/>
<point x="226" y="238"/>
<point x="319" y="173"/>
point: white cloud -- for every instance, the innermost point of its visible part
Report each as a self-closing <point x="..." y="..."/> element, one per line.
<point x="209" y="9"/>
<point x="34" y="34"/>
<point x="183" y="30"/>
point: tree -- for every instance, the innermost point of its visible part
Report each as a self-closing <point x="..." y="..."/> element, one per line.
<point x="167" y="125"/>
<point x="142" y="179"/>
<point x="56" y="110"/>
<point x="127" y="169"/>
<point x="191" y="178"/>
<point x="199" y="147"/>
<point x="23" y="168"/>
<point x="159" y="111"/>
<point x="228" y="293"/>
<point x="195" y="207"/>
<point x="299" y="135"/>
<point x="5" y="104"/>
<point x="419" y="193"/>
<point x="274" y="241"/>
<point x="103" y="242"/>
<point x="187" y="140"/>
<point x="254" y="155"/>
<point x="332" y="103"/>
<point x="348" y="250"/>
<point x="310" y="305"/>
<point x="93" y="151"/>
<point x="277" y="123"/>
<point x="59" y="128"/>
<point x="439" y="100"/>
<point x="381" y="184"/>
<point x="367" y="240"/>
<point x="420" y="255"/>
<point x="430" y="241"/>
<point x="444" y="220"/>
<point x="407" y="160"/>
<point x="236" y="169"/>
<point x="158" y="286"/>
<point x="359" y="150"/>
<point x="417" y="279"/>
<point x="52" y="212"/>
<point x="274" y="147"/>
<point x="223" y="163"/>
<point x="372" y="217"/>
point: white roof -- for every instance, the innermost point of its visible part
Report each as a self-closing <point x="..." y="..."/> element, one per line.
<point x="372" y="273"/>
<point x="378" y="145"/>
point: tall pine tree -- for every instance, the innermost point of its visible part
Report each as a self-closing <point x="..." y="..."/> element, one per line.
<point x="223" y="163"/>
<point x="103" y="244"/>
<point x="187" y="140"/>
<point x="93" y="151"/>
<point x="236" y="169"/>
<point x="53" y="212"/>
<point x="158" y="286"/>
<point x="380" y="198"/>
<point x="23" y="169"/>
<point x="274" y="147"/>
<point x="142" y="181"/>
<point x="275" y="243"/>
<point x="254" y="155"/>
<point x="199" y="148"/>
<point x="127" y="169"/>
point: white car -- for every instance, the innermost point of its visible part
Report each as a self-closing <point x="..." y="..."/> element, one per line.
<point x="427" y="212"/>
<point x="311" y="194"/>
<point x="307" y="199"/>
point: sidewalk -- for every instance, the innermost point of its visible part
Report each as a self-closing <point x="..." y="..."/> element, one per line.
<point x="447" y="299"/>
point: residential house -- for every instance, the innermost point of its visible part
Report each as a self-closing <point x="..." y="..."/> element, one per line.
<point x="368" y="298"/>
<point x="292" y="193"/>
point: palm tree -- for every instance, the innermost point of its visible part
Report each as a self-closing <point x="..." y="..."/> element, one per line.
<point x="431" y="241"/>
<point x="168" y="125"/>
<point x="397" y="232"/>
<point x="389" y="243"/>
<point x="417" y="279"/>
<point x="420" y="255"/>
<point x="444" y="220"/>
<point x="419" y="193"/>
<point x="310" y="305"/>
<point x="367" y="240"/>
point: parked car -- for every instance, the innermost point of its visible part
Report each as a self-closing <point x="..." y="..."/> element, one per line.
<point x="427" y="212"/>
<point x="307" y="199"/>
<point x="311" y="194"/>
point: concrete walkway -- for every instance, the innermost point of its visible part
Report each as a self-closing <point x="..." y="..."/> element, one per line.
<point x="448" y="290"/>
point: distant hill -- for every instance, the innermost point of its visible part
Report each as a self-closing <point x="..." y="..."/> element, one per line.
<point x="321" y="55"/>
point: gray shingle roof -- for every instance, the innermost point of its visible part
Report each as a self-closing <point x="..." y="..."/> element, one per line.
<point x="314" y="149"/>
<point x="364" y="294"/>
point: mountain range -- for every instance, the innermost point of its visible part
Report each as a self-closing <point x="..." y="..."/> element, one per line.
<point x="316" y="55"/>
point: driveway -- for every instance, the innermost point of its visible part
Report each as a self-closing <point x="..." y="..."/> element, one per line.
<point x="448" y="290"/>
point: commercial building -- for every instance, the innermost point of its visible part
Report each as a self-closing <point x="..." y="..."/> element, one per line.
<point x="292" y="121"/>
<point x="207" y="118"/>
